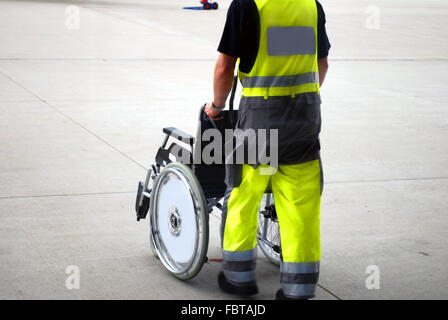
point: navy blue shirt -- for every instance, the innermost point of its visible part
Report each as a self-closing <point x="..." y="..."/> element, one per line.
<point x="241" y="35"/>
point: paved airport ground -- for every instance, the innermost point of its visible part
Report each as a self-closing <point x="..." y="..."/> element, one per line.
<point x="83" y="102"/>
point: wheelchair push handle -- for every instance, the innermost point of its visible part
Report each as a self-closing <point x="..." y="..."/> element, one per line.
<point x="204" y="116"/>
<point x="232" y="98"/>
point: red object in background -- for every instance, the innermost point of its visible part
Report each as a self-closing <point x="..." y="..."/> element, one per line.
<point x="209" y="5"/>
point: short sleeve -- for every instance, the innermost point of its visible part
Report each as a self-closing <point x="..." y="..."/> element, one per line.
<point x="241" y="35"/>
<point x="232" y="34"/>
<point x="323" y="44"/>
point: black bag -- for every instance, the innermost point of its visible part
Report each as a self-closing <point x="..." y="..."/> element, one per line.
<point x="212" y="177"/>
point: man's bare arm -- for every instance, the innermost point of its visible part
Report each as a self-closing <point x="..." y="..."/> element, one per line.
<point x="222" y="82"/>
<point x="323" y="68"/>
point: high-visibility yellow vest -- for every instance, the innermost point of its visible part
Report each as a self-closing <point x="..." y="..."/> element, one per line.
<point x="286" y="63"/>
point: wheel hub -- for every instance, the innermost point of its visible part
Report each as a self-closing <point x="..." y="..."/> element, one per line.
<point x="174" y="221"/>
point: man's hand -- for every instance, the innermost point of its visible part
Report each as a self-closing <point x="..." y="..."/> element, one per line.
<point x="213" y="114"/>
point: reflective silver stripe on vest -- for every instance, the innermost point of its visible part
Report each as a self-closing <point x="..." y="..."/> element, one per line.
<point x="280" y="81"/>
<point x="286" y="41"/>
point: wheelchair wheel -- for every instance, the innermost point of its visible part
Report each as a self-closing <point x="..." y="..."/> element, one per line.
<point x="268" y="230"/>
<point x="151" y="243"/>
<point x="179" y="221"/>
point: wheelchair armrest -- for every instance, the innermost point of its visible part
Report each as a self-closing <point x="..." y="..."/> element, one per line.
<point x="180" y="154"/>
<point x="179" y="135"/>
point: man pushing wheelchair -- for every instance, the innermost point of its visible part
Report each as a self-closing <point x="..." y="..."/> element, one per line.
<point x="270" y="200"/>
<point x="282" y="50"/>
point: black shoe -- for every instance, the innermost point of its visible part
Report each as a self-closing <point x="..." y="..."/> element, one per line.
<point x="241" y="288"/>
<point x="280" y="296"/>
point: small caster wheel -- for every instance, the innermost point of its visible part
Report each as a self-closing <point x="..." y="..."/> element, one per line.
<point x="215" y="5"/>
<point x="207" y="6"/>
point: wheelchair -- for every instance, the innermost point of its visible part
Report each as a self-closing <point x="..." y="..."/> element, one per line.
<point x="180" y="195"/>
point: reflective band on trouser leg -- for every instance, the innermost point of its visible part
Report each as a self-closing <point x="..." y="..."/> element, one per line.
<point x="239" y="266"/>
<point x="240" y="232"/>
<point x="299" y="279"/>
<point x="296" y="191"/>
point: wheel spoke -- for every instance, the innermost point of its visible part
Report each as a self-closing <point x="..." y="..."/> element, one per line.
<point x="268" y="231"/>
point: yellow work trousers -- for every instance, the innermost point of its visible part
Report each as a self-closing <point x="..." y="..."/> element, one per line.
<point x="297" y="194"/>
